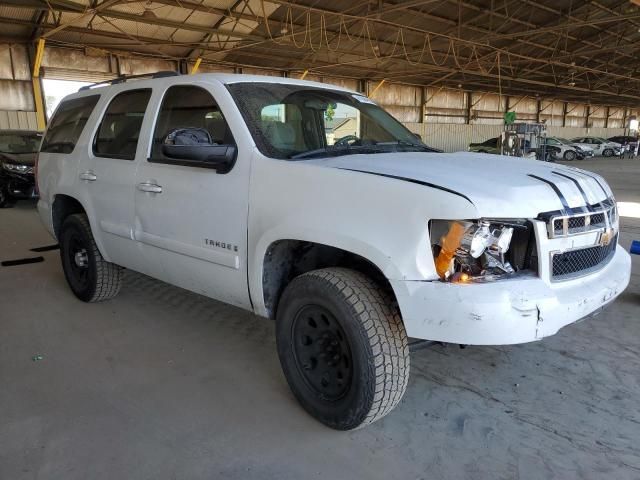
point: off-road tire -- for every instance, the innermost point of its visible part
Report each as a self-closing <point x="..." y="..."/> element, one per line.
<point x="102" y="279"/>
<point x="373" y="332"/>
<point x="608" y="152"/>
<point x="570" y="155"/>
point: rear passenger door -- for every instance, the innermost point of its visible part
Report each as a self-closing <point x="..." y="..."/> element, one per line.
<point x="191" y="221"/>
<point x="107" y="175"/>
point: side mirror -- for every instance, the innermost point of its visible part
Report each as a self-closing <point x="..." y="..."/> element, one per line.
<point x="219" y="157"/>
<point x="193" y="148"/>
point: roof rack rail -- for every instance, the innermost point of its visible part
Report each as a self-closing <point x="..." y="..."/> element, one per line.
<point x="126" y="78"/>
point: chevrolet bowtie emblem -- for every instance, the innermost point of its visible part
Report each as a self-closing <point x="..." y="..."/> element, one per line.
<point x="606" y="237"/>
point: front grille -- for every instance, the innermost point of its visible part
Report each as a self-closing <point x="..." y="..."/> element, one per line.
<point x="576" y="222"/>
<point x="583" y="261"/>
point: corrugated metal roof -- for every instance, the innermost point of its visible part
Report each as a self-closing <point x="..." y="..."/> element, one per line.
<point x="16" y="13"/>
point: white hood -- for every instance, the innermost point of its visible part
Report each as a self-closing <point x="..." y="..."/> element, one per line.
<point x="498" y="186"/>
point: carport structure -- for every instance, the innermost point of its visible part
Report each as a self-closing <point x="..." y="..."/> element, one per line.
<point x="460" y="53"/>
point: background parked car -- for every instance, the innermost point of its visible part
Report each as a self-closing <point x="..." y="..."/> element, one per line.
<point x="626" y="141"/>
<point x="18" y="151"/>
<point x="565" y="151"/>
<point x="599" y="145"/>
<point x="488" y="146"/>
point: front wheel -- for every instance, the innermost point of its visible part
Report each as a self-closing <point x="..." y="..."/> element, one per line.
<point x="342" y="346"/>
<point x="608" y="152"/>
<point x="89" y="275"/>
<point x="569" y="155"/>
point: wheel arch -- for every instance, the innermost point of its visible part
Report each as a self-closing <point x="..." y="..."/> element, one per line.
<point x="285" y="259"/>
<point x="63" y="206"/>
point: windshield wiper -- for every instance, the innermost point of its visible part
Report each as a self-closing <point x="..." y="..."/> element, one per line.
<point x="333" y="151"/>
<point x="404" y="143"/>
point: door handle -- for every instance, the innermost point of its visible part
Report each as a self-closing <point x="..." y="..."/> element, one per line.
<point x="149" y="187"/>
<point x="89" y="176"/>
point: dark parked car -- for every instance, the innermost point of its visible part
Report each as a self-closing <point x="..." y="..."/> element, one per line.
<point x="488" y="146"/>
<point x="625" y="140"/>
<point x="18" y="151"/>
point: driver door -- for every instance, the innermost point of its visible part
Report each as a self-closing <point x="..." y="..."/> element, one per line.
<point x="190" y="220"/>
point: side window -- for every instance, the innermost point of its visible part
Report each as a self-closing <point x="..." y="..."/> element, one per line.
<point x="193" y="108"/>
<point x="67" y="124"/>
<point x="117" y="136"/>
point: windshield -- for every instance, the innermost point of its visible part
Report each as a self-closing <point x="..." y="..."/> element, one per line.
<point x="17" y="143"/>
<point x="296" y="122"/>
<point x="563" y="140"/>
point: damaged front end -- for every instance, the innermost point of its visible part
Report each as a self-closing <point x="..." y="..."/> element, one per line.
<point x="482" y="250"/>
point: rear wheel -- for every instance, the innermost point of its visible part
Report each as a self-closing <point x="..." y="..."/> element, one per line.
<point x="90" y="276"/>
<point x="342" y="346"/>
<point x="569" y="155"/>
<point x="608" y="152"/>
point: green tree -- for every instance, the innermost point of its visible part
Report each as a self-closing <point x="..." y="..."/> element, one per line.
<point x="329" y="112"/>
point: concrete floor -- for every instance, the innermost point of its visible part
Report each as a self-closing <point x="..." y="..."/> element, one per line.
<point x="161" y="383"/>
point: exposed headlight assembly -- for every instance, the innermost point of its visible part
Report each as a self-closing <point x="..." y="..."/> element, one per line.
<point x="17" y="168"/>
<point x="473" y="250"/>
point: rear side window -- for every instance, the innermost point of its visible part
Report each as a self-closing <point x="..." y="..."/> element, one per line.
<point x="119" y="129"/>
<point x="67" y="124"/>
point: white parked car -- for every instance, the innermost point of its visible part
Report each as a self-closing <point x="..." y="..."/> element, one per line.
<point x="225" y="185"/>
<point x="569" y="151"/>
<point x="599" y="145"/>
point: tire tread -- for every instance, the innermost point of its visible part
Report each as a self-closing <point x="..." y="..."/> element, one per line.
<point x="108" y="275"/>
<point x="383" y="330"/>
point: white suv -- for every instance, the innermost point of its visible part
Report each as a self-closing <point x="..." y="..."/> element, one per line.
<point x="353" y="235"/>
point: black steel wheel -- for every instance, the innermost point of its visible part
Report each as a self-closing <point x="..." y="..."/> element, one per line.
<point x="322" y="352"/>
<point x="90" y="277"/>
<point x="342" y="346"/>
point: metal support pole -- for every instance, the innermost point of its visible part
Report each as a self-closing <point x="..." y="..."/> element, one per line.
<point x="37" y="86"/>
<point x="377" y="87"/>
<point x="196" y="66"/>
<point x="586" y="121"/>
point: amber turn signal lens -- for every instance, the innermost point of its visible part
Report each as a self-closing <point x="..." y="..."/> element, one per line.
<point x="449" y="244"/>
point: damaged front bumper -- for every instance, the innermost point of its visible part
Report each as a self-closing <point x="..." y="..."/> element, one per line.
<point x="517" y="310"/>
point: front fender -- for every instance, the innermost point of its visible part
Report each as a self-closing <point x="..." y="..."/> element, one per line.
<point x="382" y="220"/>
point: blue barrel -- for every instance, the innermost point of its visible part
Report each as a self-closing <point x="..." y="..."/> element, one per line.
<point x="635" y="247"/>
